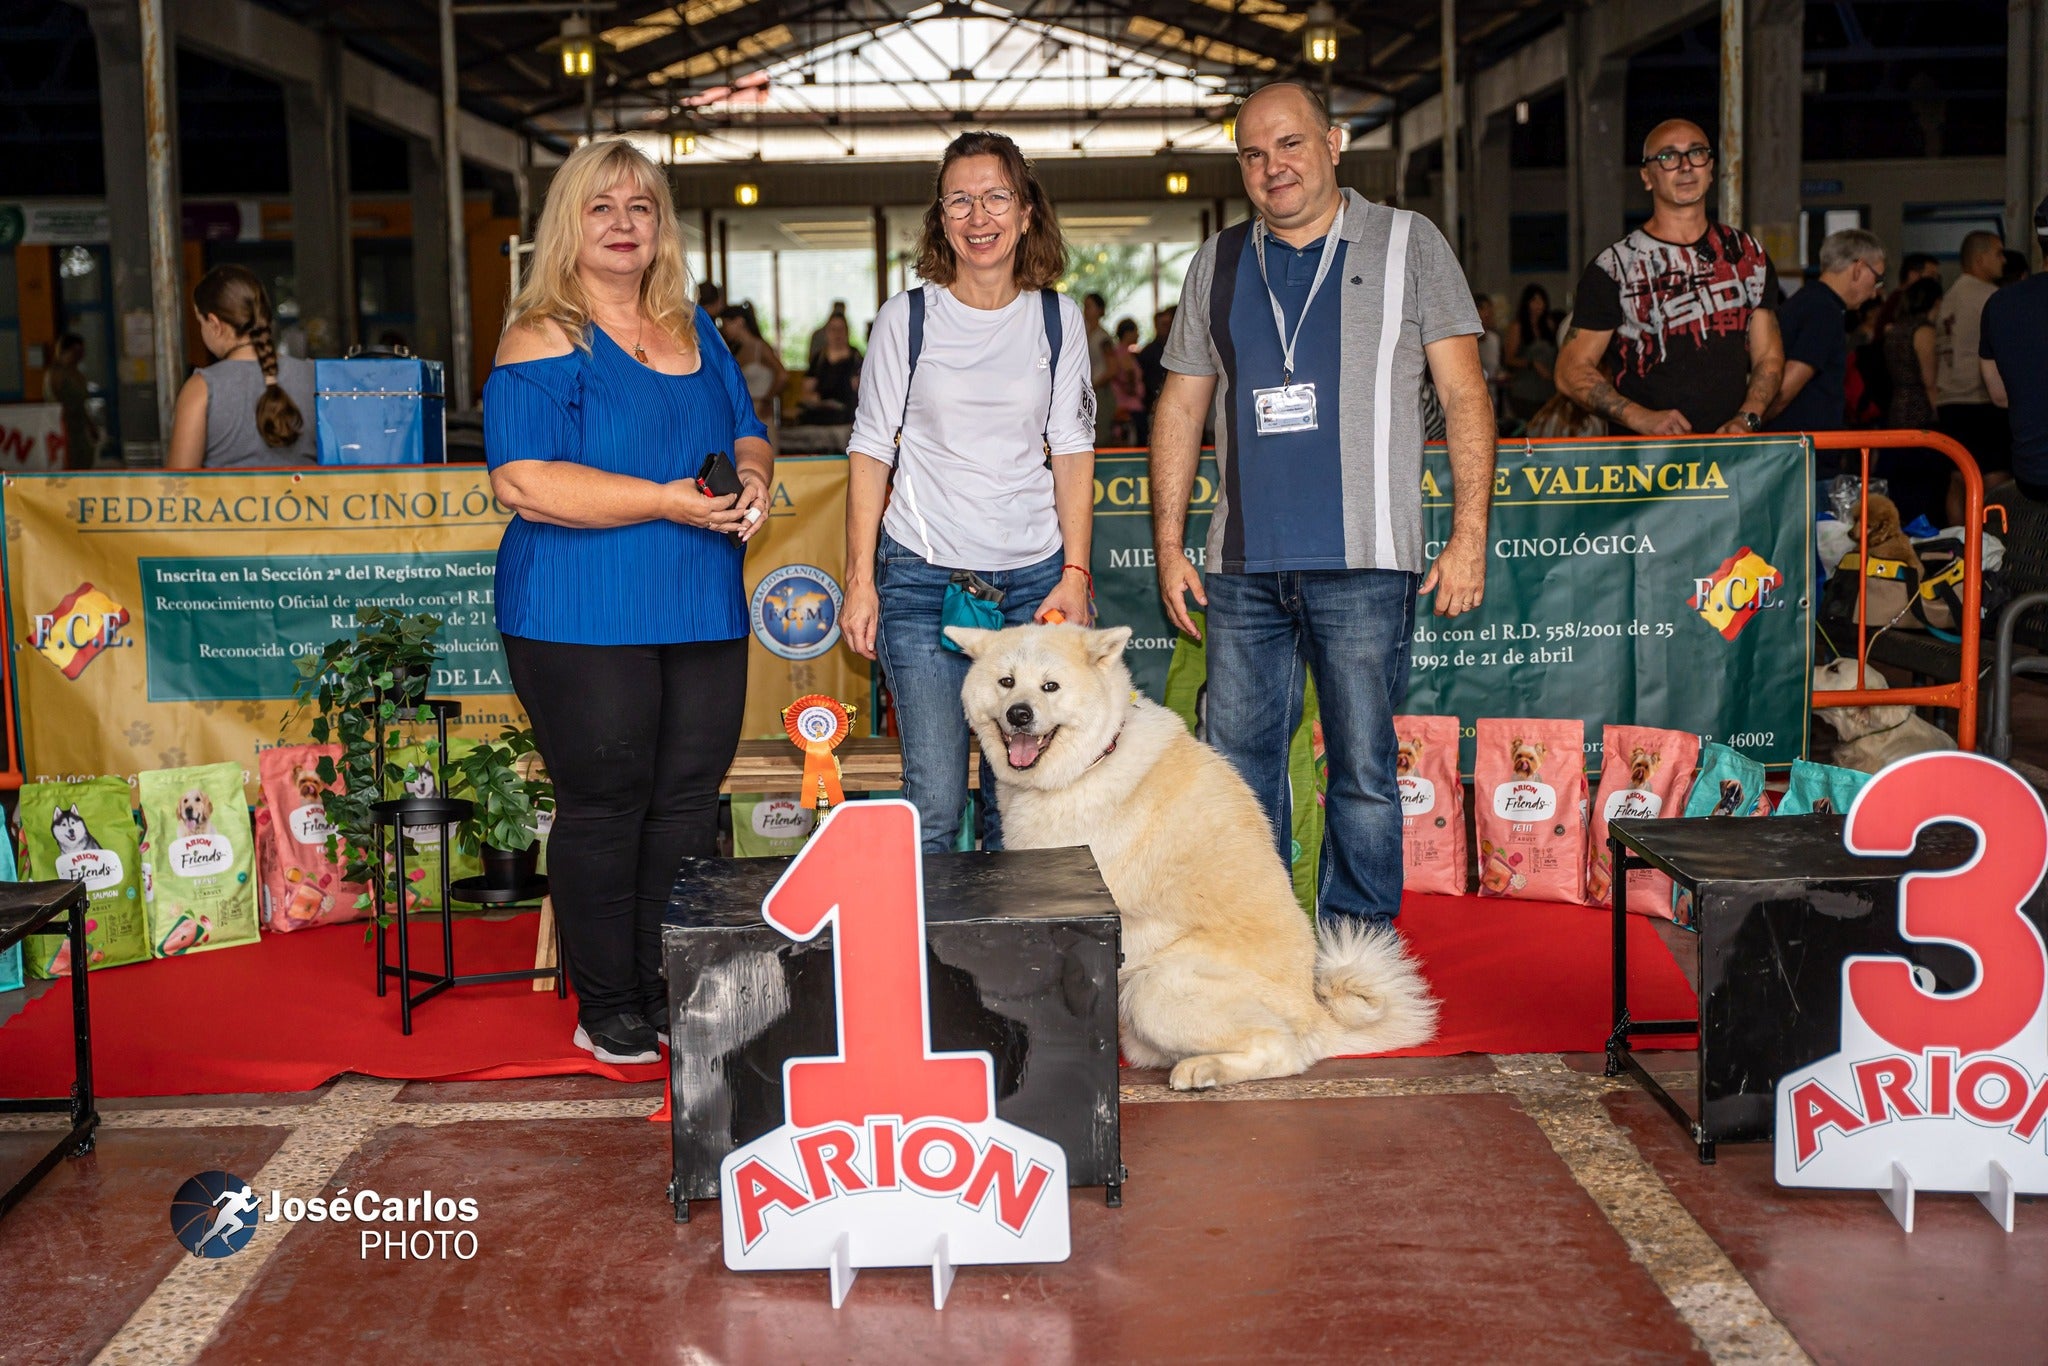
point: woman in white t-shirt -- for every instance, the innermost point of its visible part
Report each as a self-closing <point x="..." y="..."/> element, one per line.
<point x="984" y="460"/>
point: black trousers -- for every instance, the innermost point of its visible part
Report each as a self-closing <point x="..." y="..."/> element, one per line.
<point x="637" y="739"/>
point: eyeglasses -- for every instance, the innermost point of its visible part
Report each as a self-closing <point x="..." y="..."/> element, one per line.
<point x="1668" y="159"/>
<point x="1876" y="275"/>
<point x="996" y="202"/>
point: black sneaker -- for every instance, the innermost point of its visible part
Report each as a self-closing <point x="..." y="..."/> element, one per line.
<point x="618" y="1038"/>
<point x="656" y="1015"/>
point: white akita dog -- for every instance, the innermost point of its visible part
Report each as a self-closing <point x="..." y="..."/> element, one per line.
<point x="1223" y="979"/>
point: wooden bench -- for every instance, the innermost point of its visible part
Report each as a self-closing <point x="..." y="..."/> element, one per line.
<point x="866" y="764"/>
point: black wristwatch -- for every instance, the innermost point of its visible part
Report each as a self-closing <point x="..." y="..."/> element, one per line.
<point x="1752" y="421"/>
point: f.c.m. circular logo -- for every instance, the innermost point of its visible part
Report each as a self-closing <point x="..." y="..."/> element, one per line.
<point x="796" y="611"/>
<point x="214" y="1214"/>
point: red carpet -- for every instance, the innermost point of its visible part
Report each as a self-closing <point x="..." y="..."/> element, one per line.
<point x="297" y="1009"/>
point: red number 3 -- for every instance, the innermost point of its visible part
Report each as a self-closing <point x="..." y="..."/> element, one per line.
<point x="861" y="872"/>
<point x="1976" y="905"/>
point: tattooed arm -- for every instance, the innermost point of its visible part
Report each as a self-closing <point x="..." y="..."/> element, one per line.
<point x="1766" y="369"/>
<point x="1579" y="378"/>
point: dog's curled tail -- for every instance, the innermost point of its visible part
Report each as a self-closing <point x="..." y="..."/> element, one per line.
<point x="1372" y="989"/>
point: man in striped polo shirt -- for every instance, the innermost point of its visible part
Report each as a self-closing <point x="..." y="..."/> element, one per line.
<point x="1308" y="330"/>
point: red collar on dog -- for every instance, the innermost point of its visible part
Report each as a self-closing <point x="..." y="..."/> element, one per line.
<point x="1114" y="738"/>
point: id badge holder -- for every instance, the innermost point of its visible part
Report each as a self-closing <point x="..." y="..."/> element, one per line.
<point x="1285" y="408"/>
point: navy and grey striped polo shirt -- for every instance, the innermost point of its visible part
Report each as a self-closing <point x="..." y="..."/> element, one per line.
<point x="1347" y="495"/>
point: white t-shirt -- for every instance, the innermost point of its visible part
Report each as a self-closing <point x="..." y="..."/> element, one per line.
<point x="971" y="489"/>
<point x="1958" y="322"/>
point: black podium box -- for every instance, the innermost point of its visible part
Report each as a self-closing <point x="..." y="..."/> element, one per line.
<point x="1021" y="961"/>
<point x="1778" y="904"/>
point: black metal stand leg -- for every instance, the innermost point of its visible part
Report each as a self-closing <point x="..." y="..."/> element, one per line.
<point x="1113" y="1193"/>
<point x="675" y="1195"/>
<point x="1617" y="1038"/>
<point x="404" y="948"/>
<point x="83" y="1114"/>
<point x="561" y="963"/>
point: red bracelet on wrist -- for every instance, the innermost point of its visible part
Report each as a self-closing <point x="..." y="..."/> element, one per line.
<point x="1082" y="571"/>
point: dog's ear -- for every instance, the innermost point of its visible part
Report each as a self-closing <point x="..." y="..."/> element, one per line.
<point x="1106" y="645"/>
<point x="970" y="639"/>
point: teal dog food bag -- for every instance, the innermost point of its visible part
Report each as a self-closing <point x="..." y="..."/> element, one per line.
<point x="198" y="859"/>
<point x="85" y="832"/>
<point x="1728" y="785"/>
<point x="1820" y="789"/>
<point x="10" y="961"/>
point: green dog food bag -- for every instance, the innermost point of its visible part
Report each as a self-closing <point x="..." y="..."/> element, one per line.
<point x="198" y="859"/>
<point x="1820" y="789"/>
<point x="85" y="832"/>
<point x="767" y="826"/>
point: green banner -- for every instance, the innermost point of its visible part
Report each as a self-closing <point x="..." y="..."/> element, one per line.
<point x="1636" y="583"/>
<point x="1126" y="580"/>
<point x="222" y="628"/>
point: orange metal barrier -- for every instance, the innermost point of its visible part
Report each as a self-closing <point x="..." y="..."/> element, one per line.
<point x="1960" y="695"/>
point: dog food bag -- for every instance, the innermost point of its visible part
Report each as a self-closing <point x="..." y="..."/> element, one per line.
<point x="1529" y="787"/>
<point x="198" y="859"/>
<point x="766" y="826"/>
<point x="85" y="832"/>
<point x="1432" y="804"/>
<point x="423" y="855"/>
<point x="10" y="960"/>
<point x="1729" y="785"/>
<point x="1643" y="775"/>
<point x="1820" y="789"/>
<point x="301" y="888"/>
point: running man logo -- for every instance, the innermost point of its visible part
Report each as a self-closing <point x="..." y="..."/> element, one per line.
<point x="1736" y="592"/>
<point x="72" y="634"/>
<point x="214" y="1214"/>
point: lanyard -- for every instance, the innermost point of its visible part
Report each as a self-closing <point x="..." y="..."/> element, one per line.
<point x="1279" y="315"/>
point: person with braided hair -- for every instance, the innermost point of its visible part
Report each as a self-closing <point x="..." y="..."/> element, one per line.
<point x="252" y="406"/>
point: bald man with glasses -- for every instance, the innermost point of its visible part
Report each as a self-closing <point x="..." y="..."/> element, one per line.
<point x="1681" y="312"/>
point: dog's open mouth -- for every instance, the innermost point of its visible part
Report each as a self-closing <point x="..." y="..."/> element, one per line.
<point x="1026" y="749"/>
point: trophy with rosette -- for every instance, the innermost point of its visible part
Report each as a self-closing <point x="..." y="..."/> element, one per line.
<point x="817" y="724"/>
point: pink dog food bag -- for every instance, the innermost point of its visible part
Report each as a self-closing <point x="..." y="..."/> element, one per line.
<point x="1432" y="805"/>
<point x="1644" y="775"/>
<point x="300" y="888"/>
<point x="1529" y="792"/>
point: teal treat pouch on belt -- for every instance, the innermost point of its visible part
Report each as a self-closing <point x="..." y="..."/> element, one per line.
<point x="970" y="601"/>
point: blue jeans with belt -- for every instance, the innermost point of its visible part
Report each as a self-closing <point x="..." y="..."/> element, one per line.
<point x="925" y="679"/>
<point x="1352" y="629"/>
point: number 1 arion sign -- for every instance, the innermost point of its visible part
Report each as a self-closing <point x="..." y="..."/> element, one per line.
<point x="1949" y="1091"/>
<point x="889" y="1154"/>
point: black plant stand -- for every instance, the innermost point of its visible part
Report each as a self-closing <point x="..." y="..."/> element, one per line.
<point x="528" y="891"/>
<point x="28" y="908"/>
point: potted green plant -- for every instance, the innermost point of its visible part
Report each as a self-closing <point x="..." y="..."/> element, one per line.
<point x="360" y="688"/>
<point x="507" y="803"/>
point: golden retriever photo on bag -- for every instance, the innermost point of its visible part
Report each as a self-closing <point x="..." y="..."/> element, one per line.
<point x="1224" y="979"/>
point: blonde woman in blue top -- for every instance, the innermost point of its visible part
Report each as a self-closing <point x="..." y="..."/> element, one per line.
<point x="618" y="586"/>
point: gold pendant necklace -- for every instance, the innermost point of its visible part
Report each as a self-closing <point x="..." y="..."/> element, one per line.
<point x="638" y="353"/>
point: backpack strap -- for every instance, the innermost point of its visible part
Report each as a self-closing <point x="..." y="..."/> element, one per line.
<point x="916" y="348"/>
<point x="1049" y="306"/>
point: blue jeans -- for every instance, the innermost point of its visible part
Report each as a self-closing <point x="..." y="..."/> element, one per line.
<point x="1351" y="628"/>
<point x="925" y="678"/>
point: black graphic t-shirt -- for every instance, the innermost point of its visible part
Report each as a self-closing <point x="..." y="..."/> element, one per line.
<point x="1680" y="317"/>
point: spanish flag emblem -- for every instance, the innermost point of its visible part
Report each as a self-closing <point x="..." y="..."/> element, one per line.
<point x="1727" y="600"/>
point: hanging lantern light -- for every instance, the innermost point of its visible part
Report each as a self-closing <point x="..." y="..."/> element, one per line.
<point x="1176" y="182"/>
<point x="1230" y="128"/>
<point x="746" y="194"/>
<point x="681" y="143"/>
<point x="577" y="48"/>
<point x="1319" y="34"/>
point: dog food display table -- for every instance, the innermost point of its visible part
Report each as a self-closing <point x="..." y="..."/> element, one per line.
<point x="28" y="908"/>
<point x="1021" y="962"/>
<point x="1778" y="904"/>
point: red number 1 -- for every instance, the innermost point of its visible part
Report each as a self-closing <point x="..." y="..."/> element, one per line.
<point x="1976" y="905"/>
<point x="861" y="872"/>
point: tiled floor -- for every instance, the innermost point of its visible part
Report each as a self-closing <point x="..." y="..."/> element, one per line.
<point x="1451" y="1209"/>
<point x="1464" y="1209"/>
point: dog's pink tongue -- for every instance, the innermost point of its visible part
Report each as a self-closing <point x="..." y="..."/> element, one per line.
<point x="1024" y="750"/>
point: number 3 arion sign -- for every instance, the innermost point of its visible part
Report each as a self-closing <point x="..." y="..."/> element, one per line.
<point x="1945" y="1092"/>
<point x="889" y="1154"/>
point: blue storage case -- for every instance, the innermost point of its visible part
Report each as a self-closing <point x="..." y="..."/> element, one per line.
<point x="380" y="410"/>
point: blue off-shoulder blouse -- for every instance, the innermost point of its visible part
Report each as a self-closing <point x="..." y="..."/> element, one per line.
<point x="652" y="583"/>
